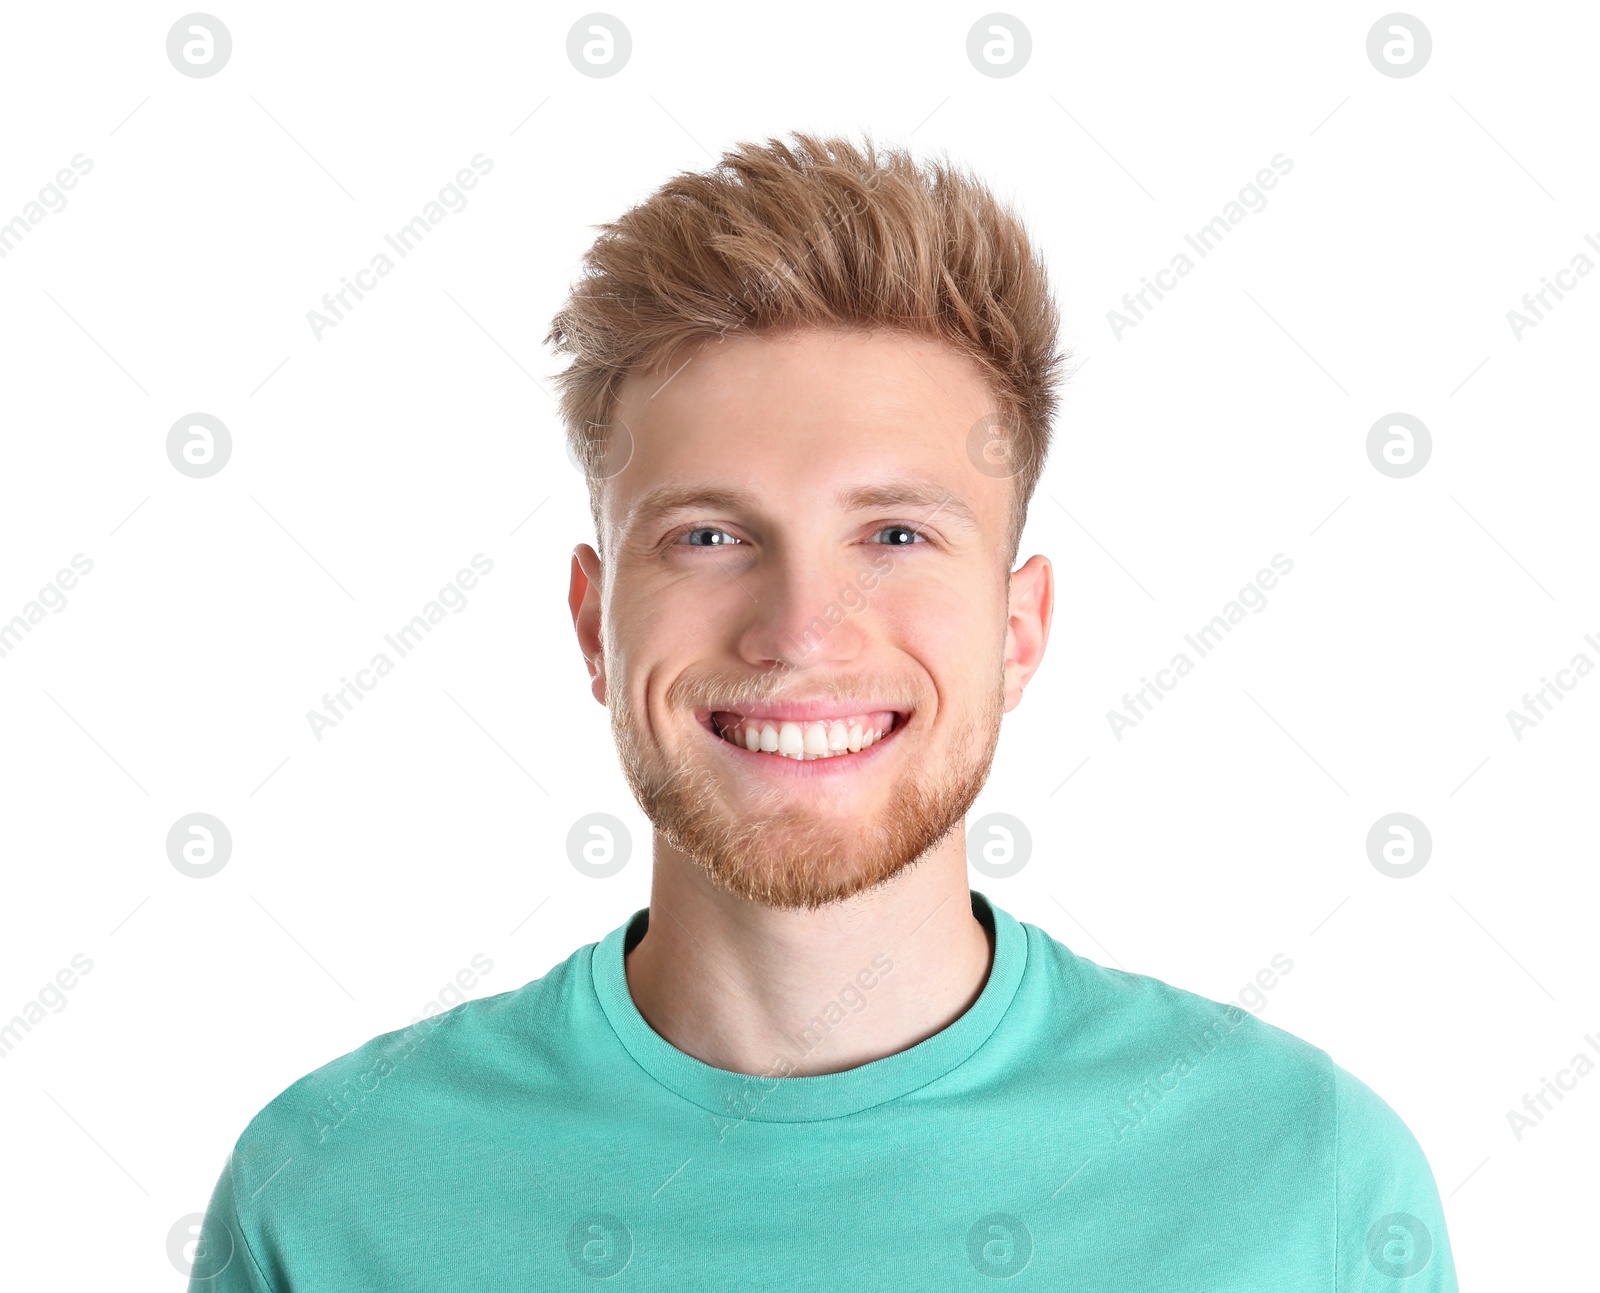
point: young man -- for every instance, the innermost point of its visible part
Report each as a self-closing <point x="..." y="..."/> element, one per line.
<point x="812" y="392"/>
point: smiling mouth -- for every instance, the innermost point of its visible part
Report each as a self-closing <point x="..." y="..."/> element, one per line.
<point x="805" y="740"/>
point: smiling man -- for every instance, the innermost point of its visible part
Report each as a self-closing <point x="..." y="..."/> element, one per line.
<point x="812" y="392"/>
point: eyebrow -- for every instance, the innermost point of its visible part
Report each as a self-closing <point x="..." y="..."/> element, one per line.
<point x="668" y="500"/>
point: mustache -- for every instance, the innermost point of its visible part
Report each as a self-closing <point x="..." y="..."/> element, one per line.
<point x="714" y="691"/>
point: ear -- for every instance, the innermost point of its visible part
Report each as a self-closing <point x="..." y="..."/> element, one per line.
<point x="583" y="597"/>
<point x="1031" y="604"/>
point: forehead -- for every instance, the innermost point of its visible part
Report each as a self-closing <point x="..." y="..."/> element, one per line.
<point x="825" y="408"/>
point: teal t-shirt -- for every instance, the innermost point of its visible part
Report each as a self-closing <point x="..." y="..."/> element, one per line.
<point x="1077" y="1128"/>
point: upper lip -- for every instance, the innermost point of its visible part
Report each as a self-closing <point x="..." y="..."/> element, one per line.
<point x="803" y="710"/>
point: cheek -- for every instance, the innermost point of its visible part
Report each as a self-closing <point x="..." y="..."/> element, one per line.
<point x="955" y="642"/>
<point x="679" y="616"/>
<point x="652" y="635"/>
<point x="943" y="609"/>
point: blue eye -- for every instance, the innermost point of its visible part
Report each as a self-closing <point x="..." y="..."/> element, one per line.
<point x="720" y="538"/>
<point x="725" y="541"/>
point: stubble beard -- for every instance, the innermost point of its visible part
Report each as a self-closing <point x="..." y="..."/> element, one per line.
<point x="789" y="857"/>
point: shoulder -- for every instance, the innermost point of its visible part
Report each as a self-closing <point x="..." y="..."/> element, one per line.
<point x="1233" y="1076"/>
<point x="1390" y="1217"/>
<point x="1366" y="1125"/>
<point x="356" y="1104"/>
<point x="1368" y="1138"/>
<point x="1139" y="1023"/>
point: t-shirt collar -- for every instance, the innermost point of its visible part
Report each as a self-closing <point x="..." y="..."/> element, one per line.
<point x="764" y="1098"/>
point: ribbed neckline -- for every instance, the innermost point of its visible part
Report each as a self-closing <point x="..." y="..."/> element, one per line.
<point x="739" y="1097"/>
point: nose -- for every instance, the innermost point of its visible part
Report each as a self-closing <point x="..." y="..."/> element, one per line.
<point x="807" y="609"/>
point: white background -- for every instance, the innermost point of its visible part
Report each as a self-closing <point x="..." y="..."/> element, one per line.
<point x="370" y="465"/>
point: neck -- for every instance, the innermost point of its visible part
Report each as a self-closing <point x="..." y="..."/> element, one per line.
<point x="758" y="990"/>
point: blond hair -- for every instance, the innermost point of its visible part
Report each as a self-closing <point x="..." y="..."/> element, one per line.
<point x="816" y="233"/>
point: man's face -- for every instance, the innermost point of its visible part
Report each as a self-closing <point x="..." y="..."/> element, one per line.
<point x="831" y="567"/>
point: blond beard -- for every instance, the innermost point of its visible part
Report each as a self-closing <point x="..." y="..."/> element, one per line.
<point x="790" y="857"/>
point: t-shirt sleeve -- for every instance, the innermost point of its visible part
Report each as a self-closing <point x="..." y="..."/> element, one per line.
<point x="1391" y="1235"/>
<point x="223" y="1261"/>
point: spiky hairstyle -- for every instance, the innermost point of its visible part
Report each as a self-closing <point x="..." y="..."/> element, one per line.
<point x="816" y="233"/>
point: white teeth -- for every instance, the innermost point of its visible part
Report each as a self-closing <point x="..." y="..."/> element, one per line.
<point x="792" y="739"/>
<point x="790" y="743"/>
